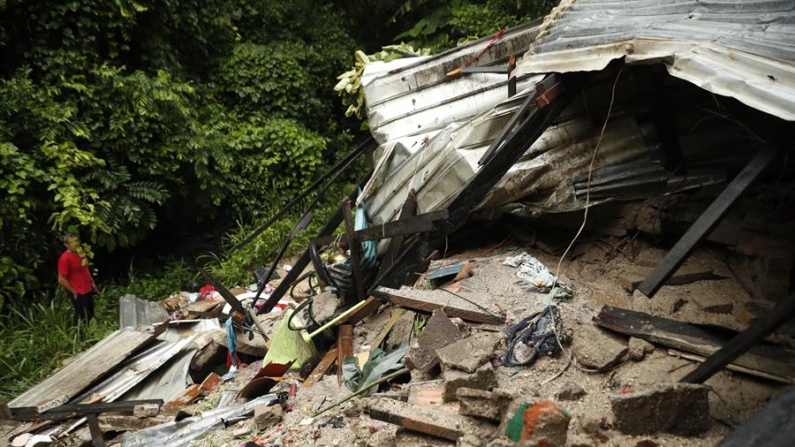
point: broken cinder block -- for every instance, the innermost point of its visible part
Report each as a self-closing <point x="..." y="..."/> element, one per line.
<point x="438" y="333"/>
<point x="483" y="404"/>
<point x="596" y="349"/>
<point x="146" y="410"/>
<point x="484" y="378"/>
<point x="469" y="353"/>
<point x="678" y="408"/>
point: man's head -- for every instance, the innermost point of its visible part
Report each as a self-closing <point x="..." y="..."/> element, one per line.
<point x="72" y="242"/>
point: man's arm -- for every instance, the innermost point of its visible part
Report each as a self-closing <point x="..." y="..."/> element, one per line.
<point x="65" y="284"/>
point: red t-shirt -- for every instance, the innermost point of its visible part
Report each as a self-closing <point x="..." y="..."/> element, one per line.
<point x="71" y="266"/>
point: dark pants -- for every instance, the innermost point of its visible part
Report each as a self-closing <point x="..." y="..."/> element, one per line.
<point x="84" y="306"/>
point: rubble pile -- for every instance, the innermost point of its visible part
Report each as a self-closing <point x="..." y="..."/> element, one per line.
<point x="600" y="254"/>
<point x="447" y="381"/>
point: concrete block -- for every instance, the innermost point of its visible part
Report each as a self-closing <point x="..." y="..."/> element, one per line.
<point x="484" y="378"/>
<point x="678" y="408"/>
<point x="469" y="353"/>
<point x="438" y="333"/>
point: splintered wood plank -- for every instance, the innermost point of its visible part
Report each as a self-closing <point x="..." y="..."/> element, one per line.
<point x="344" y="347"/>
<point x="322" y="368"/>
<point x="429" y="300"/>
<point x="77" y="410"/>
<point x="431" y="420"/>
<point x="744" y="341"/>
<point x="769" y="359"/>
<point x="707" y="221"/>
<point x="85" y="370"/>
<point x="396" y="314"/>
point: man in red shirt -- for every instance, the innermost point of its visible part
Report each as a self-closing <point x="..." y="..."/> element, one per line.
<point x="75" y="277"/>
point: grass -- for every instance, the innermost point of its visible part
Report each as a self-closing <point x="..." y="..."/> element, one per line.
<point x="38" y="338"/>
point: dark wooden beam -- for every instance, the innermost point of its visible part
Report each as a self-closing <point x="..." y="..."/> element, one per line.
<point x="334" y="172"/>
<point x="426" y="301"/>
<point x="71" y="411"/>
<point x="401" y="227"/>
<point x="744" y="341"/>
<point x="707" y="221"/>
<point x="354" y="248"/>
<point x="303" y="261"/>
<point x="770" y="360"/>
<point x="396" y="244"/>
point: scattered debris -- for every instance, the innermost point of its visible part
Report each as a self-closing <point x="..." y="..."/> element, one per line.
<point x="483" y="404"/>
<point x="771" y="361"/>
<point x="532" y="271"/>
<point x="570" y="391"/>
<point x="266" y="416"/>
<point x="431" y="421"/>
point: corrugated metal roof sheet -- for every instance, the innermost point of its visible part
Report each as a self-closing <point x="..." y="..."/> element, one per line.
<point x="739" y="48"/>
<point x="86" y="369"/>
<point x="415" y="96"/>
<point x="134" y="312"/>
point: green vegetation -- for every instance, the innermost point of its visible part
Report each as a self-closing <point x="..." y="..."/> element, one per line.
<point x="124" y="119"/>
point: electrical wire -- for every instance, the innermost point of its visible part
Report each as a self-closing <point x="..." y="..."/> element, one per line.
<point x="584" y="221"/>
<point x="473" y="303"/>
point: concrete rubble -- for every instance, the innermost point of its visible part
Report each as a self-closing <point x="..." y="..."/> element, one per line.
<point x="634" y="331"/>
<point x="678" y="408"/>
<point x="438" y="333"/>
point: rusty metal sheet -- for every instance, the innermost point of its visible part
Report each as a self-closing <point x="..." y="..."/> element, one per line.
<point x="85" y="370"/>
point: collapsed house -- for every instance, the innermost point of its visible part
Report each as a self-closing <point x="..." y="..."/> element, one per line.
<point x="639" y="150"/>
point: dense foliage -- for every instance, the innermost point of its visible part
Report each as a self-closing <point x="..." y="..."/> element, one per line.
<point x="122" y="119"/>
<point x="117" y="117"/>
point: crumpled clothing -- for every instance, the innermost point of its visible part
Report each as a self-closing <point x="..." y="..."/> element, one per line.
<point x="534" y="335"/>
<point x="536" y="276"/>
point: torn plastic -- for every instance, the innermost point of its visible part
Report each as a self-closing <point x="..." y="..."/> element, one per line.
<point x="534" y="335"/>
<point x="531" y="270"/>
<point x="185" y="431"/>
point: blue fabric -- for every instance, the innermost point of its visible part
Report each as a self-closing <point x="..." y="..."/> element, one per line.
<point x="231" y="339"/>
<point x="369" y="248"/>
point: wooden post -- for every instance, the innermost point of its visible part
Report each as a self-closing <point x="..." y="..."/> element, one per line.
<point x="353" y="246"/>
<point x="97" y="438"/>
<point x="344" y="348"/>
<point x="743" y="341"/>
<point x="707" y="221"/>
